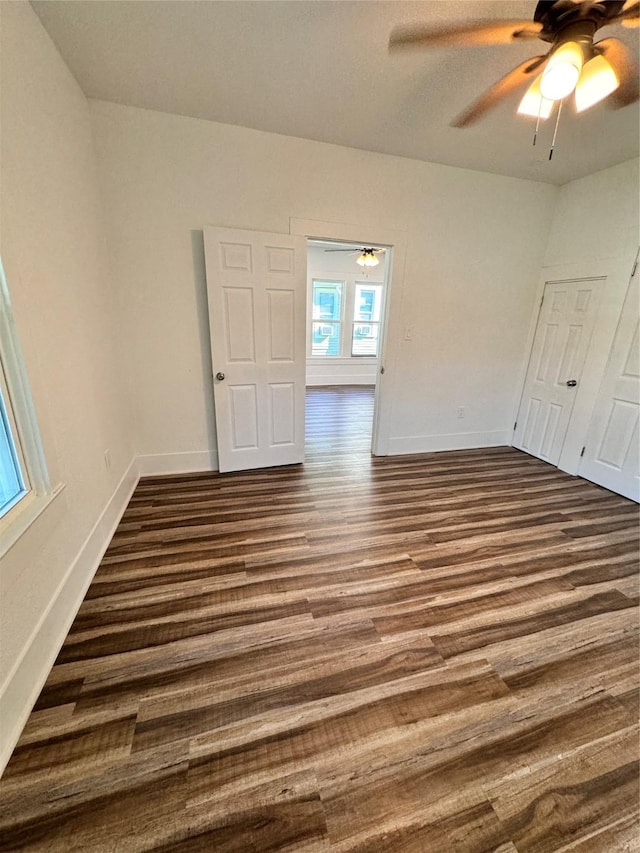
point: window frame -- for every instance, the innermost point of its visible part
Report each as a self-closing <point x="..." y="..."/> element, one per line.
<point x="9" y="427"/>
<point x="350" y="283"/>
<point x="378" y="288"/>
<point x="340" y="321"/>
<point x="22" y="420"/>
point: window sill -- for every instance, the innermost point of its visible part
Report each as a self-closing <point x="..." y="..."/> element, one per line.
<point x="20" y="518"/>
<point x="339" y="359"/>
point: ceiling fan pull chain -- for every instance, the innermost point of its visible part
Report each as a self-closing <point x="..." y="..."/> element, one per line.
<point x="535" y="132"/>
<point x="555" y="130"/>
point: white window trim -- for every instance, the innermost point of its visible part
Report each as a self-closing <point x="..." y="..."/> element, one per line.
<point x="358" y="280"/>
<point x="346" y="321"/>
<point x="313" y="279"/>
<point x="39" y="495"/>
<point x="20" y="517"/>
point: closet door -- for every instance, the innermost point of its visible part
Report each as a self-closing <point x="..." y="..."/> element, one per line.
<point x="560" y="346"/>
<point x="611" y="451"/>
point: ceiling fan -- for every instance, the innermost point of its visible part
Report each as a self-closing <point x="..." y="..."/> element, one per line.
<point x="368" y="256"/>
<point x="573" y="63"/>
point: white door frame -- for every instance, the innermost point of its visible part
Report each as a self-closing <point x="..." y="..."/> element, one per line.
<point x="615" y="273"/>
<point x="396" y="241"/>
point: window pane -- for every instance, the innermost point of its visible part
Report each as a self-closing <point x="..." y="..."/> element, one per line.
<point x="367" y="302"/>
<point x="327" y="300"/>
<point x="325" y="339"/>
<point x="364" y="340"/>
<point x="11" y="482"/>
<point x="327" y="313"/>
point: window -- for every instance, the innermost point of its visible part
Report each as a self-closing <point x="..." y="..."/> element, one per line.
<point x="326" y="326"/>
<point x="12" y="480"/>
<point x="345" y="318"/>
<point x="366" y="319"/>
<point x="24" y="483"/>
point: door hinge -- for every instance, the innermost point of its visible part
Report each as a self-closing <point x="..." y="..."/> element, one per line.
<point x="382" y="370"/>
<point x="582" y="451"/>
<point x="515" y="425"/>
<point x="635" y="267"/>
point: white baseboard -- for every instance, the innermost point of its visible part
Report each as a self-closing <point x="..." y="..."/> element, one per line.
<point x="451" y="441"/>
<point x="31" y="670"/>
<point x="177" y="463"/>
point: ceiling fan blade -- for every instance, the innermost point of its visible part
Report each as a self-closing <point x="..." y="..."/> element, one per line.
<point x="470" y="33"/>
<point x="624" y="64"/>
<point x="355" y="251"/>
<point x="517" y="77"/>
<point x="630" y="16"/>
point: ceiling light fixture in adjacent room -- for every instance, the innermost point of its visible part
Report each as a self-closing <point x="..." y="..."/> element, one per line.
<point x="368" y="258"/>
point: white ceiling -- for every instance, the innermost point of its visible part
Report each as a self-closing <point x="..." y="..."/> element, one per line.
<point x="320" y="69"/>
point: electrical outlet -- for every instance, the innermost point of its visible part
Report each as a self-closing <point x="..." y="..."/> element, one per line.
<point x="107" y="459"/>
<point x="460" y="412"/>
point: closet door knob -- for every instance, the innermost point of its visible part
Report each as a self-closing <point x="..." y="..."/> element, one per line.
<point x="220" y="376"/>
<point x="571" y="383"/>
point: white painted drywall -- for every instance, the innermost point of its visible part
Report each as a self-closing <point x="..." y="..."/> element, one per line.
<point x="473" y="250"/>
<point x="341" y="372"/>
<point x="53" y="250"/>
<point x="596" y="217"/>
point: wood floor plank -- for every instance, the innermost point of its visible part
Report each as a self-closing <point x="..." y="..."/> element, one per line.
<point x="424" y="775"/>
<point x="572" y="797"/>
<point x="431" y="653"/>
<point x="196" y="713"/>
<point x="618" y="836"/>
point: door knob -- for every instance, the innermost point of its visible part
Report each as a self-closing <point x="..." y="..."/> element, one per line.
<point x="571" y="383"/>
<point x="220" y="377"/>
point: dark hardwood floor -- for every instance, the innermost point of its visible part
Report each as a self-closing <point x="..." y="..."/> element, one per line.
<point x="426" y="654"/>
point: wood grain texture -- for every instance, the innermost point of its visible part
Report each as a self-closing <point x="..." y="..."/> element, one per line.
<point x="433" y="653"/>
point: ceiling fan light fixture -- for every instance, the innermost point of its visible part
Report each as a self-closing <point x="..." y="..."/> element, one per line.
<point x="368" y="259"/>
<point x="598" y="79"/>
<point x="533" y="104"/>
<point x="562" y="73"/>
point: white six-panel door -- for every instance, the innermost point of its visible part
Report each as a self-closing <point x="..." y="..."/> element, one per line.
<point x="560" y="345"/>
<point x="611" y="450"/>
<point x="256" y="285"/>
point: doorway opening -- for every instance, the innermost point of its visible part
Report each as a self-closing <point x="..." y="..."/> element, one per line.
<point x="347" y="286"/>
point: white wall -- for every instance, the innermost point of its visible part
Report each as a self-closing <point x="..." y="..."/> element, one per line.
<point x="53" y="251"/>
<point x="342" y="371"/>
<point x="340" y="266"/>
<point x="473" y="249"/>
<point x="596" y="217"/>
